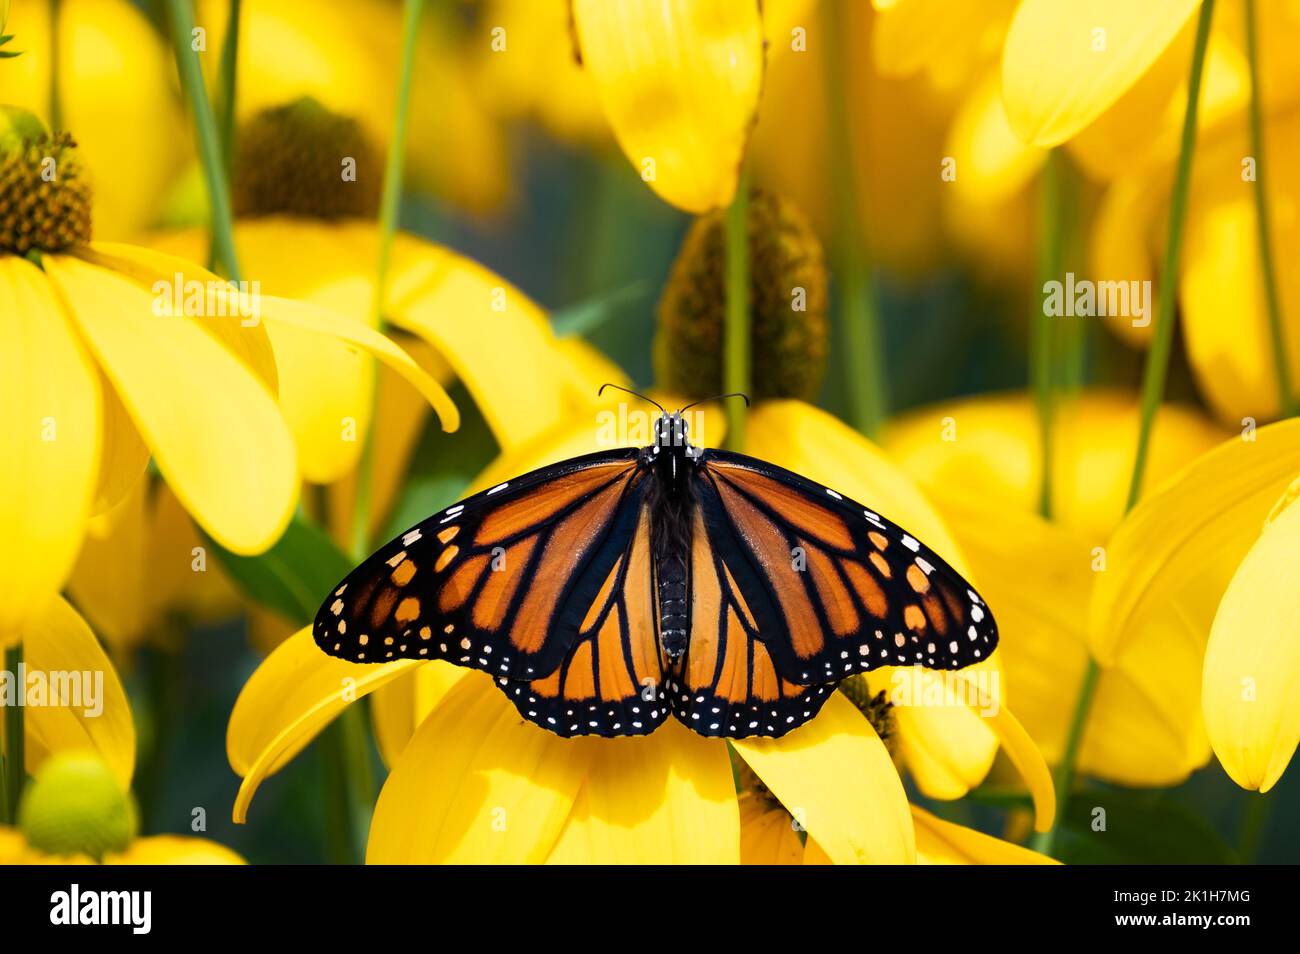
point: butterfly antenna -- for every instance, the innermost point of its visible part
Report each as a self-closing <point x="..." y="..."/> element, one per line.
<point x="619" y="387"/>
<point x="720" y="397"/>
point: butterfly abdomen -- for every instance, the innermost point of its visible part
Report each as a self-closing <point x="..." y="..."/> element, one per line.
<point x="674" y="622"/>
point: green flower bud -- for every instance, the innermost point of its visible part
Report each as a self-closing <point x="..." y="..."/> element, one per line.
<point x="75" y="806"/>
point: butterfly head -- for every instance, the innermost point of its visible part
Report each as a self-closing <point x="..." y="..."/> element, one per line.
<point x="671" y="430"/>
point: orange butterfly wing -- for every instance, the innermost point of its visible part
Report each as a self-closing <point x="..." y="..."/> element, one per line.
<point x="502" y="581"/>
<point x="807" y="587"/>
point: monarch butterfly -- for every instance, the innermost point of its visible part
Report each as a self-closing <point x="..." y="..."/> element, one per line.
<point x="606" y="591"/>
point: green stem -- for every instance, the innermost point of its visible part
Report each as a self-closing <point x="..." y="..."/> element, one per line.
<point x="15" y="774"/>
<point x="56" y="66"/>
<point x="1042" y="325"/>
<point x="349" y="785"/>
<point x="222" y="236"/>
<point x="862" y="354"/>
<point x="1153" y="387"/>
<point x="390" y="203"/>
<point x="1254" y="823"/>
<point x="227" y="81"/>
<point x="736" y="345"/>
<point x="1157" y="366"/>
<point x="1286" y="400"/>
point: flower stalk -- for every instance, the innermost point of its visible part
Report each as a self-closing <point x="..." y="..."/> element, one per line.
<point x="222" y="227"/>
<point x="859" y="320"/>
<point x="390" y="202"/>
<point x="737" y="335"/>
<point x="15" y="756"/>
<point x="1286" y="398"/>
<point x="1153" y="388"/>
<point x="1042" y="327"/>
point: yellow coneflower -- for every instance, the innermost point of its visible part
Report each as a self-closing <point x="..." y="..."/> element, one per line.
<point x="115" y="88"/>
<point x="979" y="460"/>
<point x="343" y="56"/>
<point x="116" y="354"/>
<point x="307" y="231"/>
<point x="1205" y="558"/>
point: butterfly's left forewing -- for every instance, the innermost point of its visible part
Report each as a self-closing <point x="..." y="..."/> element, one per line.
<point x="501" y="582"/>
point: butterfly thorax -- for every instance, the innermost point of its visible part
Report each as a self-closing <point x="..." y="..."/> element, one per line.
<point x="670" y="460"/>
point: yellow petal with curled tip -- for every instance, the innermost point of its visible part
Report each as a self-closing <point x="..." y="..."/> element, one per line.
<point x="811" y="442"/>
<point x="214" y="429"/>
<point x="49" y="444"/>
<point x="1142" y="727"/>
<point x="174" y="850"/>
<point x="665" y="798"/>
<point x="59" y="641"/>
<point x="1064" y="64"/>
<point x="940" y="842"/>
<point x="476" y="785"/>
<point x="495" y="338"/>
<point x="301" y="317"/>
<point x="287" y="701"/>
<point x="835" y="777"/>
<point x="679" y="81"/>
<point x="1021" y="750"/>
<point x="1251" y="682"/>
<point x="1172" y="557"/>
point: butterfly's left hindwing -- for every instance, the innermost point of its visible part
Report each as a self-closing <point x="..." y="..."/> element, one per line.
<point x="833" y="587"/>
<point x="501" y="582"/>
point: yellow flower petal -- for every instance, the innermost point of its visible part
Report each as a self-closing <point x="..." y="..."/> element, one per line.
<point x="124" y="457"/>
<point x="1251" y="687"/>
<point x="399" y="707"/>
<point x="939" y="842"/>
<point x="49" y="444"/>
<point x="1142" y="728"/>
<point x="1064" y="63"/>
<point x="1122" y="246"/>
<point x="1170" y="560"/>
<point x="1233" y="361"/>
<point x="817" y="445"/>
<point x="680" y="82"/>
<point x="476" y="785"/>
<point x="109" y="581"/>
<point x="767" y="833"/>
<point x="947" y="40"/>
<point x="494" y="337"/>
<point x="992" y="163"/>
<point x="287" y="701"/>
<point x="987" y="449"/>
<point x="666" y="798"/>
<point x="214" y="429"/>
<point x="282" y="312"/>
<point x="947" y="747"/>
<point x="167" y="277"/>
<point x="174" y="850"/>
<point x="835" y="777"/>
<point x="61" y="642"/>
<point x="1020" y="749"/>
